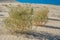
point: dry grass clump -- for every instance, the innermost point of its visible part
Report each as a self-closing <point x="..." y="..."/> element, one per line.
<point x="19" y="19"/>
<point x="40" y="16"/>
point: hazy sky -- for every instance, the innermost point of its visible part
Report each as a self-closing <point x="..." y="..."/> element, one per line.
<point x="56" y="2"/>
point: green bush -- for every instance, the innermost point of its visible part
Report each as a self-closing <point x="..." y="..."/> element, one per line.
<point x="40" y="16"/>
<point x="19" y="19"/>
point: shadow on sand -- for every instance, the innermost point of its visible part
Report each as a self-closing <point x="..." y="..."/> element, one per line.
<point x="42" y="36"/>
<point x="53" y="27"/>
<point x="53" y="19"/>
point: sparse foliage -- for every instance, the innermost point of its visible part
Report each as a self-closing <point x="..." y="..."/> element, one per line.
<point x="40" y="16"/>
<point x="19" y="19"/>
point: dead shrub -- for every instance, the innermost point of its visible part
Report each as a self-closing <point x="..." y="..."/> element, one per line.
<point x="40" y="16"/>
<point x="19" y="19"/>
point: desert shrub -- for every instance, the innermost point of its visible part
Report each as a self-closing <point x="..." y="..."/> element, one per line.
<point x="19" y="19"/>
<point x="40" y="16"/>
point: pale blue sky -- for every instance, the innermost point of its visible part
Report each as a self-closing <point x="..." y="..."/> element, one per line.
<point x="56" y="2"/>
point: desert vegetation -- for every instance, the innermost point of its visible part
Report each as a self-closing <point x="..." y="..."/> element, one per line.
<point x="21" y="19"/>
<point x="40" y="16"/>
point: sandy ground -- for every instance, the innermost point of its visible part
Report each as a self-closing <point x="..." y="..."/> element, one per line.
<point x="52" y="29"/>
